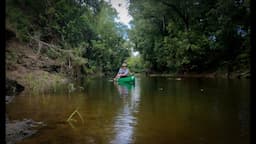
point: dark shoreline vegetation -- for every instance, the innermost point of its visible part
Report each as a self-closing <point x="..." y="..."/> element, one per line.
<point x="50" y="43"/>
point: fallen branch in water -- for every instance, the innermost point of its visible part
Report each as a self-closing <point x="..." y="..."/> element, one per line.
<point x="72" y="115"/>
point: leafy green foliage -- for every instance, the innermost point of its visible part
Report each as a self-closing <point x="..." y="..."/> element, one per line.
<point x="135" y="64"/>
<point x="86" y="37"/>
<point x="191" y="36"/>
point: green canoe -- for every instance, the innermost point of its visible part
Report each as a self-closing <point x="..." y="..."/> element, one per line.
<point x="128" y="79"/>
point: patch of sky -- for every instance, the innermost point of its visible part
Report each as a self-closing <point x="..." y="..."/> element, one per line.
<point x="240" y="31"/>
<point x="212" y="38"/>
<point x="196" y="3"/>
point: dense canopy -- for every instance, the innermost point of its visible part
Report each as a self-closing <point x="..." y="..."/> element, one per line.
<point x="191" y="35"/>
<point x="174" y="36"/>
<point x="82" y="34"/>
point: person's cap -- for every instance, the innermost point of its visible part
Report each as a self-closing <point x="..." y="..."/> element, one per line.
<point x="124" y="65"/>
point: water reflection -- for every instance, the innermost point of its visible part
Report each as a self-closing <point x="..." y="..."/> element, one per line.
<point x="154" y="110"/>
<point x="123" y="88"/>
<point x="125" y="120"/>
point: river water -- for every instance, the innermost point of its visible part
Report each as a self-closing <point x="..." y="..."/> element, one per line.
<point x="156" y="110"/>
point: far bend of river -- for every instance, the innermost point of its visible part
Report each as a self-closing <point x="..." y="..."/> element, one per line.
<point x="155" y="110"/>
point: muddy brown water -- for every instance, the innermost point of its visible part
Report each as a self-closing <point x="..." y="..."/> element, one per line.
<point x="154" y="110"/>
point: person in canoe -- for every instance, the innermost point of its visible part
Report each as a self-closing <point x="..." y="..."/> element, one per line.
<point x="123" y="71"/>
